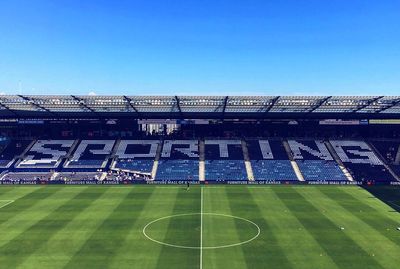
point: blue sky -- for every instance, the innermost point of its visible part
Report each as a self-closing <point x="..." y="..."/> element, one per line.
<point x="216" y="47"/>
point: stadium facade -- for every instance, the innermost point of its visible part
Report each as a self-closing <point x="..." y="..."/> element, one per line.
<point x="201" y="139"/>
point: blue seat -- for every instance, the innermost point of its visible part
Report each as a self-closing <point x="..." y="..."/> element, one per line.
<point x="368" y="172"/>
<point x="140" y="165"/>
<point x="220" y="170"/>
<point x="313" y="170"/>
<point x="388" y="150"/>
<point x="11" y="150"/>
<point x="177" y="170"/>
<point x="273" y="170"/>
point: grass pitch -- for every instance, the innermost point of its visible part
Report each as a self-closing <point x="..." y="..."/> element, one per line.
<point x="205" y="227"/>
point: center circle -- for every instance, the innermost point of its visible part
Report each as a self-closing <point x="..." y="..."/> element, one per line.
<point x="185" y="225"/>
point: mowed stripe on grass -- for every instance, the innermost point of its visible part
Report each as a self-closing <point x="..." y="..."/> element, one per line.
<point x="163" y="207"/>
<point x="373" y="230"/>
<point x="24" y="232"/>
<point x="83" y="217"/>
<point x="216" y="201"/>
<point x="182" y="233"/>
<point x="110" y="234"/>
<point x="266" y="247"/>
<point x="101" y="227"/>
<point x="303" y="250"/>
<point x="343" y="250"/>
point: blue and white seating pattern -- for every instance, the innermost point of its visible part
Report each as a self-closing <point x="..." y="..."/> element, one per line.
<point x="273" y="170"/>
<point x="11" y="151"/>
<point x="278" y="150"/>
<point x="180" y="149"/>
<point x="179" y="160"/>
<point x="259" y="150"/>
<point x="309" y="150"/>
<point x="136" y="155"/>
<point x="389" y="150"/>
<point x="91" y="154"/>
<point x="223" y="149"/>
<point x="361" y="161"/>
<point x="320" y="170"/>
<point x="224" y="160"/>
<point x="218" y="170"/>
<point x="134" y="149"/>
<point x="356" y="152"/>
<point x="178" y="170"/>
<point x="135" y="165"/>
<point x="315" y="161"/>
<point x="46" y="154"/>
<point x="270" y="161"/>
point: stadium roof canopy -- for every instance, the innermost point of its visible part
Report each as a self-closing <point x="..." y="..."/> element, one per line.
<point x="218" y="107"/>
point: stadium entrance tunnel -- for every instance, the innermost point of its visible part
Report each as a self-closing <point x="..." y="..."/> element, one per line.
<point x="201" y="230"/>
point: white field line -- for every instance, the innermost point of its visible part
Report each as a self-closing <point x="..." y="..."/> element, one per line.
<point x="6" y="204"/>
<point x="198" y="247"/>
<point x="201" y="230"/>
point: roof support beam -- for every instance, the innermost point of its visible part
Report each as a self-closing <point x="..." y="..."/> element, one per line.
<point x="268" y="108"/>
<point x="129" y="100"/>
<point x="224" y="107"/>
<point x="367" y="104"/>
<point x="320" y="103"/>
<point x="32" y="101"/>
<point x="7" y="108"/>
<point x="82" y="104"/>
<point x="212" y="107"/>
<point x="394" y="103"/>
<point x="179" y="105"/>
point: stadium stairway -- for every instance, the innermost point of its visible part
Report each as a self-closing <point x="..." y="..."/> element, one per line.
<point x="113" y="163"/>
<point x="295" y="166"/>
<point x="114" y="150"/>
<point x="28" y="148"/>
<point x="384" y="162"/>
<point x="202" y="166"/>
<point x="247" y="162"/>
<point x="103" y="176"/>
<point x="338" y="161"/>
<point x="109" y="160"/>
<point x="69" y="155"/>
<point x="2" y="174"/>
<point x="156" y="159"/>
<point x="71" y="150"/>
<point x="19" y="158"/>
<point x="113" y="157"/>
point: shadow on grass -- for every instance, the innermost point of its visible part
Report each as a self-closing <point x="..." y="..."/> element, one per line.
<point x="390" y="195"/>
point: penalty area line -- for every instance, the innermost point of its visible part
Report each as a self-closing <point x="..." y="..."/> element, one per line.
<point x="7" y="203"/>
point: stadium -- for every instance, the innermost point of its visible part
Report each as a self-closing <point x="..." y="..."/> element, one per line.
<point x="199" y="181"/>
<point x="199" y="134"/>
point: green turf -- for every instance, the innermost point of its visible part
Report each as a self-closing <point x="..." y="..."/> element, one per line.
<point x="101" y="227"/>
